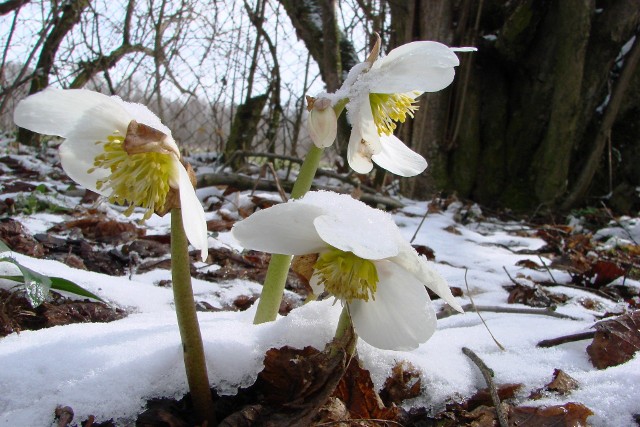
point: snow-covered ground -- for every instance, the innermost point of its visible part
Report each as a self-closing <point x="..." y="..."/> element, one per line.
<point x="111" y="369"/>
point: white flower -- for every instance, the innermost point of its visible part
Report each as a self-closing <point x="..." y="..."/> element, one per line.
<point x="385" y="93"/>
<point x="117" y="149"/>
<point x="362" y="260"/>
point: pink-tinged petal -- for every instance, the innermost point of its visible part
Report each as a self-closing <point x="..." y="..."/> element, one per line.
<point x="286" y="228"/>
<point x="401" y="317"/>
<point x="323" y="127"/>
<point x="399" y="159"/>
<point x="421" y="269"/>
<point x="60" y="112"/>
<point x="193" y="219"/>
<point x="357" y="154"/>
<point x="423" y="66"/>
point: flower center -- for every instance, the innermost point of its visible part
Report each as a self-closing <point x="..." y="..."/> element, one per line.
<point x="389" y="108"/>
<point x="140" y="179"/>
<point x="346" y="276"/>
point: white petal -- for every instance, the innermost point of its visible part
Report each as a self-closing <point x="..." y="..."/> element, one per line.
<point x="368" y="128"/>
<point x="401" y="316"/>
<point x="58" y="112"/>
<point x="323" y="127"/>
<point x="286" y="228"/>
<point x="370" y="235"/>
<point x="358" y="159"/>
<point x="142" y="114"/>
<point x="399" y="159"/>
<point x="76" y="162"/>
<point x="423" y="66"/>
<point x="419" y="266"/>
<point x="193" y="219"/>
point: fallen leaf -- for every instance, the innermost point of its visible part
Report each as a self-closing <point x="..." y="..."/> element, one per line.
<point x="562" y="383"/>
<point x="404" y="383"/>
<point x="18" y="239"/>
<point x="357" y="392"/>
<point x="616" y="340"/>
<point x="570" y="415"/>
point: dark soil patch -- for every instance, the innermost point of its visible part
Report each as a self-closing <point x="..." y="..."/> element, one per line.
<point x="17" y="314"/>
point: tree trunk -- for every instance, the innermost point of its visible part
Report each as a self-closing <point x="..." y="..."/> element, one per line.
<point x="522" y="129"/>
<point x="71" y="13"/>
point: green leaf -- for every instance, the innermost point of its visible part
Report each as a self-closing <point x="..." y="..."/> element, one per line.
<point x="61" y="284"/>
<point x="37" y="285"/>
<point x="4" y="247"/>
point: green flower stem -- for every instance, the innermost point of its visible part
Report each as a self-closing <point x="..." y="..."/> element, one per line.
<point x="192" y="347"/>
<point x="345" y="337"/>
<point x="278" y="269"/>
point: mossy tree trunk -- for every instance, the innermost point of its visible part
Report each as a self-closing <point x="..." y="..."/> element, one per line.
<point x="518" y="129"/>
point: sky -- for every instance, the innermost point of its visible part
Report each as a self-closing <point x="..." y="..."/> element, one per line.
<point x="111" y="369"/>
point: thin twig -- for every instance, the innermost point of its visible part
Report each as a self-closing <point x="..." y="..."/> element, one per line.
<point x="509" y="310"/>
<point x="511" y="278"/>
<point x="548" y="269"/>
<point x="283" y="195"/>
<point x="478" y="312"/>
<point x="581" y="288"/>
<point x="488" y="377"/>
<point x="567" y="338"/>
<point x="420" y="225"/>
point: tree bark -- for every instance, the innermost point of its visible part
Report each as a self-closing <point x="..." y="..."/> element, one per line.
<point x="71" y="14"/>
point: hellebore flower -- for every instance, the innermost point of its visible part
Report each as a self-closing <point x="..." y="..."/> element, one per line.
<point x="382" y="92"/>
<point x="118" y="149"/>
<point x="362" y="260"/>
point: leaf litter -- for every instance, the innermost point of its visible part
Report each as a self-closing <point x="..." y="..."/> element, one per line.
<point x="588" y="274"/>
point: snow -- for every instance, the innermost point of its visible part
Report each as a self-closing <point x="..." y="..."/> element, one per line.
<point x="111" y="369"/>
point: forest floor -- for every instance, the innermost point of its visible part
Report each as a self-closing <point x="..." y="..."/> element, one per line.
<point x="551" y="310"/>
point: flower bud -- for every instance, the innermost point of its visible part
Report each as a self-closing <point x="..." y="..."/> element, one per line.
<point x="322" y="123"/>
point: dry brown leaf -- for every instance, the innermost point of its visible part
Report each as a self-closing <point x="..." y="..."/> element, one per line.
<point x="616" y="340"/>
<point x="562" y="383"/>
<point x="568" y="415"/>
<point x="404" y="383"/>
<point x="356" y="391"/>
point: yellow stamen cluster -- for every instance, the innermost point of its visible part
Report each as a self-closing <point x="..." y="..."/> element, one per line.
<point x="346" y="276"/>
<point x="136" y="180"/>
<point x="389" y="108"/>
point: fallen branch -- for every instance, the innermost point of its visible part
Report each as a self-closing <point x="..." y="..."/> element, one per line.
<point x="567" y="338"/>
<point x="320" y="172"/>
<point x="488" y="377"/>
<point x="244" y="182"/>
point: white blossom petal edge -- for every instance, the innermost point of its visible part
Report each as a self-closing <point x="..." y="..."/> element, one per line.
<point x="390" y="307"/>
<point x="138" y="174"/>
<point x="384" y="93"/>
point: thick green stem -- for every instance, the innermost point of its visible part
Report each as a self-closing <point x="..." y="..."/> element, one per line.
<point x="345" y="337"/>
<point x="192" y="347"/>
<point x="276" y="278"/>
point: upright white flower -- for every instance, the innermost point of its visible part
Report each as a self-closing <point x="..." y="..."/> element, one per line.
<point x="362" y="260"/>
<point x="117" y="149"/>
<point x="383" y="92"/>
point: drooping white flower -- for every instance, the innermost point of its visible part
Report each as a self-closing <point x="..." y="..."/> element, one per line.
<point x="384" y="93"/>
<point x="118" y="149"/>
<point x="363" y="261"/>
